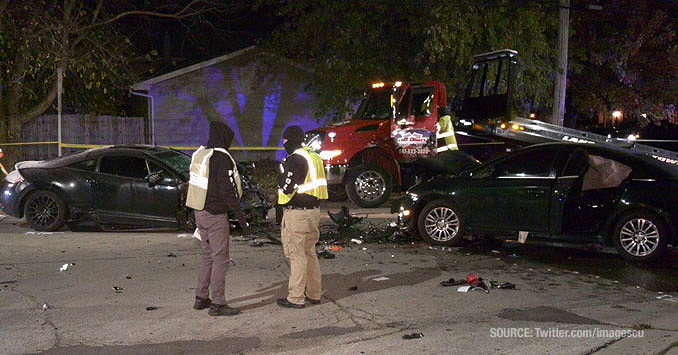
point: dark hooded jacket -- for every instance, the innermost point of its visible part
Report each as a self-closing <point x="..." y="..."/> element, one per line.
<point x="222" y="193"/>
<point x="295" y="169"/>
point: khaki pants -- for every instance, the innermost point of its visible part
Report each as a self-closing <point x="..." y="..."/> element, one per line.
<point x="299" y="234"/>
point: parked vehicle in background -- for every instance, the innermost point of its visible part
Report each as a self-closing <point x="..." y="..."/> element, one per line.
<point x="579" y="193"/>
<point x="127" y="187"/>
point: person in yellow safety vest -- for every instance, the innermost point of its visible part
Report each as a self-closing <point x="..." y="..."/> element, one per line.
<point x="445" y="134"/>
<point x="302" y="185"/>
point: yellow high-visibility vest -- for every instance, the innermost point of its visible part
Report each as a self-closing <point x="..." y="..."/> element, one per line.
<point x="446" y="132"/>
<point x="314" y="184"/>
<point x="199" y="176"/>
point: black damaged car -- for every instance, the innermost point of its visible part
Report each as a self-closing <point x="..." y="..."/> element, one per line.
<point x="554" y="192"/>
<point x="125" y="187"/>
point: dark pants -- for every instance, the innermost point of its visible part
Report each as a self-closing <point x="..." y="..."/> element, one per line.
<point x="214" y="234"/>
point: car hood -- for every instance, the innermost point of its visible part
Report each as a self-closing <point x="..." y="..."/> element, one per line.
<point x="352" y="126"/>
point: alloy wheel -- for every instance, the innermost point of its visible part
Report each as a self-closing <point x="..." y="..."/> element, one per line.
<point x="639" y="237"/>
<point x="442" y="224"/>
<point x="43" y="211"/>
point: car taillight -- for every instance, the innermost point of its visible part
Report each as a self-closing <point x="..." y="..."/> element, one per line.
<point x="14" y="177"/>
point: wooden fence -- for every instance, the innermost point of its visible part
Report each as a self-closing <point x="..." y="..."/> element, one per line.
<point x="78" y="129"/>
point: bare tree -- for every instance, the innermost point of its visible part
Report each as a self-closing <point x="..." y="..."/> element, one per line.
<point x="89" y="40"/>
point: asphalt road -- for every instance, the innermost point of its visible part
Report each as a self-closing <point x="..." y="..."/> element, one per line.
<point x="566" y="301"/>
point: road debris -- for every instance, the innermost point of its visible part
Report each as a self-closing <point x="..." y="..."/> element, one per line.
<point x="474" y="282"/>
<point x="171" y="255"/>
<point x="117" y="289"/>
<point x="353" y="288"/>
<point x="7" y="282"/>
<point x="344" y="219"/>
<point x="45" y="307"/>
<point x="151" y="308"/>
<point x="381" y="278"/>
<point x="325" y="254"/>
<point x="669" y="298"/>
<point x="64" y="267"/>
<point x="413" y="336"/>
<point x="256" y="243"/>
<point x="357" y="241"/>
<point x="452" y="282"/>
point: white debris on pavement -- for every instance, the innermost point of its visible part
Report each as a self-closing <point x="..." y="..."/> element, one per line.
<point x="381" y="278"/>
<point x="63" y="267"/>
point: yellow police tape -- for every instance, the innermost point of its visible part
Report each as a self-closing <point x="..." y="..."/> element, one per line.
<point x="28" y="143"/>
<point x="86" y="146"/>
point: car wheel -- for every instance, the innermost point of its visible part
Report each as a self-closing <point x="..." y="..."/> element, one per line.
<point x="368" y="185"/>
<point x="45" y="211"/>
<point x="439" y="223"/>
<point x="640" y="237"/>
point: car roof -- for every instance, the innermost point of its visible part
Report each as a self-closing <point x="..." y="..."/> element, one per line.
<point x="625" y="155"/>
<point x="136" y="149"/>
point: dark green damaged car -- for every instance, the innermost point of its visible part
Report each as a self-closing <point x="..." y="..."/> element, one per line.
<point x="558" y="192"/>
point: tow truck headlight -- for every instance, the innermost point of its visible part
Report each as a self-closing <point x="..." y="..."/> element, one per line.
<point x="329" y="154"/>
<point x="314" y="142"/>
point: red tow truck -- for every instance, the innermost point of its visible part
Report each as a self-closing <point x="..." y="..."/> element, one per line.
<point x="390" y="143"/>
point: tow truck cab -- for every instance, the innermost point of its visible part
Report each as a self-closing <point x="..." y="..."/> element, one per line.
<point x="396" y="124"/>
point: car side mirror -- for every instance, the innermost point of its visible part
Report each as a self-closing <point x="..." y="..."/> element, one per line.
<point x="153" y="179"/>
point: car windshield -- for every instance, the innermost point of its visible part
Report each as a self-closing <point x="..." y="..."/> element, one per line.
<point x="178" y="161"/>
<point x="375" y="106"/>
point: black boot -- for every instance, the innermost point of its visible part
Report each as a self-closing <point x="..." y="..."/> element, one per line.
<point x="201" y="303"/>
<point x="222" y="310"/>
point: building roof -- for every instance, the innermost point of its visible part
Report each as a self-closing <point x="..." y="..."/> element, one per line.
<point x="146" y="85"/>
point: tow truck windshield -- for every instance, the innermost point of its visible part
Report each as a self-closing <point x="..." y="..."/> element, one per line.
<point x="375" y="106"/>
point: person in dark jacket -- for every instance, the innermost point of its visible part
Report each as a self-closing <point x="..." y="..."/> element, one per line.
<point x="223" y="194"/>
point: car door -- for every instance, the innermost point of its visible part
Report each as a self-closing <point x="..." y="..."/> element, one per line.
<point x="77" y="184"/>
<point x="164" y="196"/>
<point x="515" y="193"/>
<point x="585" y="206"/>
<point x="123" y="196"/>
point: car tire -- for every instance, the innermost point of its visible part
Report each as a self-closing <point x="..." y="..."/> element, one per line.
<point x="368" y="185"/>
<point x="640" y="237"/>
<point x="439" y="223"/>
<point x="45" y="211"/>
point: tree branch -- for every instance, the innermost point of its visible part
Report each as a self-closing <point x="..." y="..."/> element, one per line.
<point x="39" y="108"/>
<point x="177" y="15"/>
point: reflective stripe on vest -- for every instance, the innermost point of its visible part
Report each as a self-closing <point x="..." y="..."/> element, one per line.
<point x="314" y="184"/>
<point x="445" y="135"/>
<point x="199" y="177"/>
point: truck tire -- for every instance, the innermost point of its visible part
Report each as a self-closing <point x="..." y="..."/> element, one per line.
<point x="368" y="185"/>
